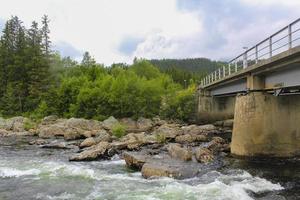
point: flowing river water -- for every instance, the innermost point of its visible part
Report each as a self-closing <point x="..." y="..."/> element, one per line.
<point x="29" y="172"/>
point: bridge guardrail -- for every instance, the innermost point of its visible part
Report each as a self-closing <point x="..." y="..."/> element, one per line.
<point x="283" y="40"/>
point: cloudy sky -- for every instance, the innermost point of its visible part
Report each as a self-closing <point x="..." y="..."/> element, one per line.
<point x="119" y="30"/>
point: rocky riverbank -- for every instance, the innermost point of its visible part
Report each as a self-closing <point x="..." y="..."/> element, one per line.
<point x="153" y="146"/>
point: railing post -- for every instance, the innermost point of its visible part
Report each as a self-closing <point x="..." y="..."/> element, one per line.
<point x="256" y="54"/>
<point x="224" y="71"/>
<point x="235" y="65"/>
<point x="245" y="62"/>
<point x="219" y="73"/>
<point x="229" y="69"/>
<point x="215" y="75"/>
<point x="290" y="36"/>
<point x="270" y="47"/>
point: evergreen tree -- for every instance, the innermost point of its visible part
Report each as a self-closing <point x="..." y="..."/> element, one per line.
<point x="45" y="35"/>
<point x="87" y="60"/>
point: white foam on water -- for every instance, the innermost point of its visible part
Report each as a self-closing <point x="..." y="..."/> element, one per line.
<point x="6" y="172"/>
<point x="234" y="186"/>
<point x="62" y="196"/>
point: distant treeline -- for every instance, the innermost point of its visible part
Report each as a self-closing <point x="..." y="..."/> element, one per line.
<point x="185" y="71"/>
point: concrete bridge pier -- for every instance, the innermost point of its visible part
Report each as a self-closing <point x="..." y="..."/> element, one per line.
<point x="266" y="125"/>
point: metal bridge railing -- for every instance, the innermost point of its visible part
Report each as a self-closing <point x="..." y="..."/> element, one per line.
<point x="283" y="40"/>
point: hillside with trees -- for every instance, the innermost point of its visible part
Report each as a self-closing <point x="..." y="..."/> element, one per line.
<point x="186" y="71"/>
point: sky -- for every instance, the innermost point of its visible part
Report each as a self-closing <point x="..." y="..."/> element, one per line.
<point x="115" y="31"/>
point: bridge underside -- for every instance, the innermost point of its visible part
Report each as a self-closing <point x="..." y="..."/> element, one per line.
<point x="280" y="72"/>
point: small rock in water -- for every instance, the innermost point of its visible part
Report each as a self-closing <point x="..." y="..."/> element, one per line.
<point x="204" y="155"/>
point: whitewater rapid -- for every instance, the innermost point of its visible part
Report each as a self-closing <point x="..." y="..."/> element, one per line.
<point x="112" y="180"/>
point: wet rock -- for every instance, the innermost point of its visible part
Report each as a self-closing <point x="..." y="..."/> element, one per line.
<point x="109" y="123"/>
<point x="196" y="130"/>
<point x="175" y="151"/>
<point x="38" y="142"/>
<point x="204" y="155"/>
<point x="58" y="145"/>
<point x="134" y="160"/>
<point x="159" y="170"/>
<point x="189" y="138"/>
<point x="217" y="144"/>
<point x="95" y="152"/>
<point x="88" y="142"/>
<point x="165" y="167"/>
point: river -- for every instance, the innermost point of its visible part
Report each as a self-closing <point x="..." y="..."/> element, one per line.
<point x="29" y="172"/>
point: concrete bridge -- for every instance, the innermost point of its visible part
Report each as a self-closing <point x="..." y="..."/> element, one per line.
<point x="259" y="89"/>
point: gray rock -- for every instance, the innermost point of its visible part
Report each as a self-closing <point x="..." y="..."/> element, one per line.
<point x="109" y="123"/>
<point x="176" y="151"/>
<point x="93" y="153"/>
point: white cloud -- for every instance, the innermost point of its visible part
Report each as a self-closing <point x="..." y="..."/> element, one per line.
<point x="214" y="29"/>
<point x="99" y="25"/>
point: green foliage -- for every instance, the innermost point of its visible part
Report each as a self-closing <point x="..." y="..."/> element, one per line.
<point x="161" y="138"/>
<point x="29" y="124"/>
<point x="181" y="105"/>
<point x="119" y="130"/>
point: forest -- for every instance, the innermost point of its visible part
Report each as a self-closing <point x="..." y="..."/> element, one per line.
<point x="36" y="81"/>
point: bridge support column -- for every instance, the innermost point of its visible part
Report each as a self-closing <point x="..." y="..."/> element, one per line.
<point x="266" y="125"/>
<point x="211" y="109"/>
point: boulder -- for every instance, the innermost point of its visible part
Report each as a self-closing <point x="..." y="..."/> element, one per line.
<point x="83" y="124"/>
<point x="103" y="136"/>
<point x="93" y="153"/>
<point x="15" y="124"/>
<point x="175" y="151"/>
<point x="49" y="120"/>
<point x="217" y="144"/>
<point x="129" y="124"/>
<point x="87" y="142"/>
<point x="169" y="131"/>
<point x="196" y="130"/>
<point x="226" y="123"/>
<point x="4" y="132"/>
<point x="134" y="160"/>
<point x="160" y="170"/>
<point x="38" y="142"/>
<point x="109" y="123"/>
<point x="144" y="124"/>
<point x="51" y="131"/>
<point x="74" y="133"/>
<point x="189" y="138"/>
<point x="204" y="155"/>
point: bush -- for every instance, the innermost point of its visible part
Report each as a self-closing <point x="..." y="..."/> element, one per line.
<point x="180" y="105"/>
<point x="28" y="124"/>
<point x="119" y="130"/>
<point x="161" y="138"/>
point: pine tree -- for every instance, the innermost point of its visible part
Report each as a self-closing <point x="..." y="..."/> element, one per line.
<point x="45" y="35"/>
<point x="87" y="60"/>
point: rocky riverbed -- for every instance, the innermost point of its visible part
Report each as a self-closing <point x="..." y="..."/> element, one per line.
<point x="155" y="159"/>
